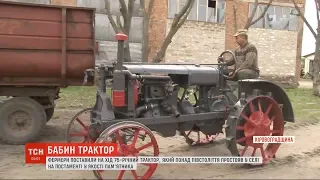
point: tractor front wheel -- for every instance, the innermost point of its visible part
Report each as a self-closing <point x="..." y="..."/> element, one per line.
<point x="134" y="139"/>
<point x="78" y="127"/>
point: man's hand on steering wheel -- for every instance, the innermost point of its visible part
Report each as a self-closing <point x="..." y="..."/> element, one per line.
<point x="222" y="60"/>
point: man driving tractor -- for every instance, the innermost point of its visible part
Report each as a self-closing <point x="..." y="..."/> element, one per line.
<point x="246" y="62"/>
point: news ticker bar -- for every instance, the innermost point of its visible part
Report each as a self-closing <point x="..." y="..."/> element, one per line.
<point x="130" y="163"/>
<point x="36" y="153"/>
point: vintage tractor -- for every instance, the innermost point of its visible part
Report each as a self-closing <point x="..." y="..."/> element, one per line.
<point x="156" y="97"/>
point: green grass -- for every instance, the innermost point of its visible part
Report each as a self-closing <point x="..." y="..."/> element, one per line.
<point x="306" y="106"/>
<point x="77" y="97"/>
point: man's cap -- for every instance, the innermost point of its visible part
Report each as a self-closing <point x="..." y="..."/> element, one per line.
<point x="241" y="31"/>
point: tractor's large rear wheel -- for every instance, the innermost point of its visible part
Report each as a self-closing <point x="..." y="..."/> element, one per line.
<point x="133" y="139"/>
<point x="254" y="115"/>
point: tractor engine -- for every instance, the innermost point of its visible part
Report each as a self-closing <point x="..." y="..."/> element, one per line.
<point x="161" y="98"/>
<point x="158" y="98"/>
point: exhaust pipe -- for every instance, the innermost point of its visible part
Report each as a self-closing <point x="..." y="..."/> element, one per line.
<point x="120" y="37"/>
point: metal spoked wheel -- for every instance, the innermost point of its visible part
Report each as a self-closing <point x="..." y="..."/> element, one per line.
<point x="133" y="139"/>
<point x="78" y="127"/>
<point x="259" y="115"/>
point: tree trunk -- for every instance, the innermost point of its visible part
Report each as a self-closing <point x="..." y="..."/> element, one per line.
<point x="145" y="40"/>
<point x="146" y="21"/>
<point x="161" y="53"/>
<point x="316" y="61"/>
<point x="316" y="68"/>
<point x="178" y="21"/>
<point x="127" y="55"/>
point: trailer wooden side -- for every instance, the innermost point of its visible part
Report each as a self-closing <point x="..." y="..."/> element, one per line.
<point x="45" y="45"/>
<point x="42" y="48"/>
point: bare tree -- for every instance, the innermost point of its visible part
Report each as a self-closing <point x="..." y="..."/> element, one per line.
<point x="146" y="21"/>
<point x="178" y="21"/>
<point x="127" y="13"/>
<point x="250" y="20"/>
<point x="118" y="26"/>
<point x="316" y="34"/>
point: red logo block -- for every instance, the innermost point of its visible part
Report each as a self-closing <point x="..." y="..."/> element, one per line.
<point x="35" y="153"/>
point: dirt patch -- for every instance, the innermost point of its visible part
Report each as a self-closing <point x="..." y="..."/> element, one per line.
<point x="299" y="160"/>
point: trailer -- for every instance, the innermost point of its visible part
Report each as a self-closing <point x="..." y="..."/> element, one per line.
<point x="43" y="48"/>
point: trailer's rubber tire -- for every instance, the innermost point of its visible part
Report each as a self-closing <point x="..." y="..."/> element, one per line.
<point x="44" y="101"/>
<point x="19" y="111"/>
<point x="49" y="112"/>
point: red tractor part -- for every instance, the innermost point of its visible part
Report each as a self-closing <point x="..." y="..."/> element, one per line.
<point x="121" y="37"/>
<point x="119" y="96"/>
<point x="127" y="135"/>
<point x="257" y="115"/>
<point x="78" y="127"/>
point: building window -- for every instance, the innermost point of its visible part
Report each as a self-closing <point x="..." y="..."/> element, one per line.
<point x="99" y="5"/>
<point x="277" y="17"/>
<point x="202" y="10"/>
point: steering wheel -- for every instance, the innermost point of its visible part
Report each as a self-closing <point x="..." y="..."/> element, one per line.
<point x="222" y="60"/>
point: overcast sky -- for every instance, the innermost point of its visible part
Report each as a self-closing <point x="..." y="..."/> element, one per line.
<point x="308" y="42"/>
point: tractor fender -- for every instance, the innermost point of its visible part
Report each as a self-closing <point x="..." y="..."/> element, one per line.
<point x="265" y="86"/>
